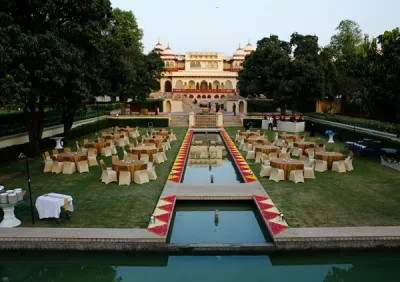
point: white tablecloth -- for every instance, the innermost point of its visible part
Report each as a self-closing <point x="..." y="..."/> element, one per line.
<point x="49" y="207"/>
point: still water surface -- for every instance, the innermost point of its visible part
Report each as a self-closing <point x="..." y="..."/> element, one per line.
<point x="72" y="267"/>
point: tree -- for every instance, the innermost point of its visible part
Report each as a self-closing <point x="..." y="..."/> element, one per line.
<point x="346" y="42"/>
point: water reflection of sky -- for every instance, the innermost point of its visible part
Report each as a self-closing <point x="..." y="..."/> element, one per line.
<point x="225" y="269"/>
<point x="224" y="173"/>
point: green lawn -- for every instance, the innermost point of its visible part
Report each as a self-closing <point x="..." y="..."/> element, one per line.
<point x="367" y="196"/>
<point x="96" y="204"/>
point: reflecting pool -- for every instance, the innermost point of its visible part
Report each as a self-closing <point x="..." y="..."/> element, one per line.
<point x="236" y="222"/>
<point x="73" y="267"/>
<point x="209" y="161"/>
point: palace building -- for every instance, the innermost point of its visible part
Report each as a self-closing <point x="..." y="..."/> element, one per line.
<point x="201" y="75"/>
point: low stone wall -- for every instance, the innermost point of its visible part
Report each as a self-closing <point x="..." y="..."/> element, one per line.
<point x="122" y="245"/>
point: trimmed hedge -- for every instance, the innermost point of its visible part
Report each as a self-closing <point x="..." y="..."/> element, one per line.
<point x="12" y="152"/>
<point x="14" y="122"/>
<point x="261" y="106"/>
<point x="141" y="122"/>
<point x="360" y="122"/>
<point x="344" y="134"/>
<point x="147" y="104"/>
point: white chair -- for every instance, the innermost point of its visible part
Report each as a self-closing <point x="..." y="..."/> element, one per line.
<point x="124" y="176"/>
<point x="265" y="171"/>
<point x="144" y="157"/>
<point x="277" y="174"/>
<point x="242" y="145"/>
<point x="259" y="157"/>
<point x="348" y="163"/>
<point x="339" y="166"/>
<point x="48" y="165"/>
<point x="151" y="171"/>
<point x="106" y="152"/>
<point x="296" y="151"/>
<point x="121" y="142"/>
<point x="57" y="167"/>
<point x="69" y="167"/>
<point x="158" y="158"/>
<point x="251" y="155"/>
<point x="296" y="176"/>
<point x="83" y="165"/>
<point x="108" y="175"/>
<point x="309" y="173"/>
<point x="141" y="176"/>
<point x="321" y="165"/>
<point x="272" y="156"/>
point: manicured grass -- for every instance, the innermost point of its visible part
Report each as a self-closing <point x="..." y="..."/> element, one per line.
<point x="367" y="196"/>
<point x="96" y="204"/>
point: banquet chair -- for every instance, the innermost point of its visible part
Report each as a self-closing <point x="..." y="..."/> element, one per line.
<point x="297" y="151"/>
<point x="308" y="173"/>
<point x="272" y="156"/>
<point x="296" y="176"/>
<point x="85" y="141"/>
<point x="144" y="157"/>
<point x="124" y="177"/>
<point x="141" y="176"/>
<point x="265" y="170"/>
<point x="151" y="171"/>
<point x="108" y="174"/>
<point x="251" y="155"/>
<point x="67" y="150"/>
<point x="54" y="153"/>
<point x="277" y="174"/>
<point x="106" y="152"/>
<point x="310" y="152"/>
<point x="114" y="158"/>
<point x="92" y="157"/>
<point x="48" y="162"/>
<point x="282" y="156"/>
<point x="57" y="166"/>
<point x="83" y="164"/>
<point x="348" y="163"/>
<point x="320" y="165"/>
<point x="162" y="152"/>
<point x="259" y="157"/>
<point x="158" y="158"/>
<point x="69" y="167"/>
<point x="339" y="166"/>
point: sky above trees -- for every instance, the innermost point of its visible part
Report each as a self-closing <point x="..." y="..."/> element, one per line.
<point x="200" y="25"/>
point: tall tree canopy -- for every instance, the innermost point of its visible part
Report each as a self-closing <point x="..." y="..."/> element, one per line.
<point x="59" y="54"/>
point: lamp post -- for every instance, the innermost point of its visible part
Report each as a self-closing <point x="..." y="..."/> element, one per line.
<point x="22" y="156"/>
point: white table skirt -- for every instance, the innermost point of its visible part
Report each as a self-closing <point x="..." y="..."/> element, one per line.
<point x="49" y="207"/>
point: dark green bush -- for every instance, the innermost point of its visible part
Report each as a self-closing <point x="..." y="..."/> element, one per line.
<point x="261" y="106"/>
<point x="360" y="122"/>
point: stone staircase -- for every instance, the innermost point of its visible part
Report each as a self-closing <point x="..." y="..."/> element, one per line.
<point x="179" y="120"/>
<point x="232" y="121"/>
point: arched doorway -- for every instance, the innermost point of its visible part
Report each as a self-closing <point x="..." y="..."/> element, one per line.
<point x="168" y="86"/>
<point x="192" y="85"/>
<point x="208" y="96"/>
<point x="228" y="84"/>
<point x="209" y="85"/>
<point x="191" y="96"/>
<point x="167" y="107"/>
<point x="216" y="96"/>
<point x="179" y="84"/>
<point x="216" y="84"/>
<point x="198" y="96"/>
<point x="203" y="84"/>
<point x="241" y="107"/>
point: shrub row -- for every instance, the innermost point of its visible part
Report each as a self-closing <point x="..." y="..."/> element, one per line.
<point x="261" y="106"/>
<point x="12" y="152"/>
<point x="14" y="122"/>
<point x="360" y="122"/>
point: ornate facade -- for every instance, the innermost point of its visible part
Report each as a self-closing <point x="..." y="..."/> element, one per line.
<point x="201" y="75"/>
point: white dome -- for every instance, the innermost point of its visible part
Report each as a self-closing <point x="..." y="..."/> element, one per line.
<point x="158" y="46"/>
<point x="168" y="52"/>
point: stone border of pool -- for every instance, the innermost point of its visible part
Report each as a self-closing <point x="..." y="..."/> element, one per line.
<point x="142" y="240"/>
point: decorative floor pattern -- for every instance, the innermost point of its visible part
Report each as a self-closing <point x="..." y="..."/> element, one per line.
<point x="179" y="165"/>
<point x="244" y="168"/>
<point x="270" y="214"/>
<point x="162" y="215"/>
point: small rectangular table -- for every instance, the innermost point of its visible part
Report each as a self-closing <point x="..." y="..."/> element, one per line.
<point x="49" y="205"/>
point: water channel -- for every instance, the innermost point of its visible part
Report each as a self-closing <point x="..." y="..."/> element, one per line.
<point x="88" y="267"/>
<point x="209" y="158"/>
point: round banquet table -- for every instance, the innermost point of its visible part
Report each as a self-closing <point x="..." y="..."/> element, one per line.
<point x="287" y="165"/>
<point x="161" y="132"/>
<point x="329" y="157"/>
<point x="304" y="145"/>
<point x="67" y="156"/>
<point x="266" y="149"/>
<point x="96" y="145"/>
<point x="288" y="137"/>
<point x="132" y="165"/>
<point x="150" y="150"/>
<point x="247" y="134"/>
<point x="258" y="139"/>
<point x="158" y="139"/>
